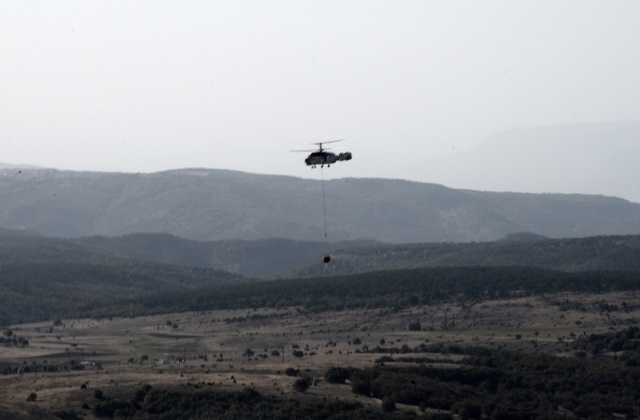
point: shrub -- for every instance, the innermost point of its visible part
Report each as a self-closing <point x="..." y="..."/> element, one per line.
<point x="414" y="326"/>
<point x="338" y="375"/>
<point x="388" y="405"/>
<point x="291" y="371"/>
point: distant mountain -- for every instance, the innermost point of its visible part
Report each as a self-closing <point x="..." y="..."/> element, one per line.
<point x="206" y="205"/>
<point x="17" y="168"/>
<point x="580" y="158"/>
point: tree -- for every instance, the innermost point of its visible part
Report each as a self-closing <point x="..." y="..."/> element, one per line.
<point x="300" y="385"/>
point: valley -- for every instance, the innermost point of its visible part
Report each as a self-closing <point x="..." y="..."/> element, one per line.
<point x="259" y="348"/>
<point x="155" y="326"/>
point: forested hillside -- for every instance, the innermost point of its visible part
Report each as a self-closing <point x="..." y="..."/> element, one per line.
<point x="384" y="289"/>
<point x="29" y="247"/>
<point x="276" y="258"/>
<point x="259" y="258"/>
<point x="571" y="254"/>
<point x="42" y="277"/>
<point x="39" y="291"/>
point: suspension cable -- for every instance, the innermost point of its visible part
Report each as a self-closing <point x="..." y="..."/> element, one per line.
<point x="324" y="210"/>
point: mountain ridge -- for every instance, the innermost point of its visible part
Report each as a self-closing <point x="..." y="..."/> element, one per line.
<point x="211" y="204"/>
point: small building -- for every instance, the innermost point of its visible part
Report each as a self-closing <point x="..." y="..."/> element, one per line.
<point x="91" y="365"/>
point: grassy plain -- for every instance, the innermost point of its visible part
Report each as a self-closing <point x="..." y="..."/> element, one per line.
<point x="252" y="348"/>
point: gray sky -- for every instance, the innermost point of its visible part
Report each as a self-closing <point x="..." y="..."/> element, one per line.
<point x="146" y="86"/>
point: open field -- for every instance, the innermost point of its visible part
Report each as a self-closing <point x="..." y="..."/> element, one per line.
<point x="252" y="348"/>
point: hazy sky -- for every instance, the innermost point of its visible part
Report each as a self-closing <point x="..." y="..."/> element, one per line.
<point x="144" y="86"/>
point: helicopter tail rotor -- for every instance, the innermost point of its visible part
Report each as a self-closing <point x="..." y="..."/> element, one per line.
<point x="345" y="156"/>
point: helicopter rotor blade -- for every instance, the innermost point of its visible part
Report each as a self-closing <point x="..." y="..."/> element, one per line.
<point x="327" y="142"/>
<point x="320" y="147"/>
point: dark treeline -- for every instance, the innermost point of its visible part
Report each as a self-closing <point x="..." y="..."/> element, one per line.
<point x="204" y="401"/>
<point x="386" y="289"/>
<point x="491" y="383"/>
<point x="626" y="341"/>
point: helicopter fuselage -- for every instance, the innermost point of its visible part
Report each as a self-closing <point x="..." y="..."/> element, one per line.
<point x="325" y="158"/>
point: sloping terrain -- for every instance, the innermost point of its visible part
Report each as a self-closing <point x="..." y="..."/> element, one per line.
<point x="271" y="258"/>
<point x="40" y="291"/>
<point x="287" y="258"/>
<point x="208" y="205"/>
<point x="42" y="277"/>
<point x="28" y="247"/>
<point x="615" y="253"/>
<point x="259" y="258"/>
<point x="381" y="289"/>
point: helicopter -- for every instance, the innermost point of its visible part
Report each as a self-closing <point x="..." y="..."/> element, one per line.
<point x="322" y="157"/>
